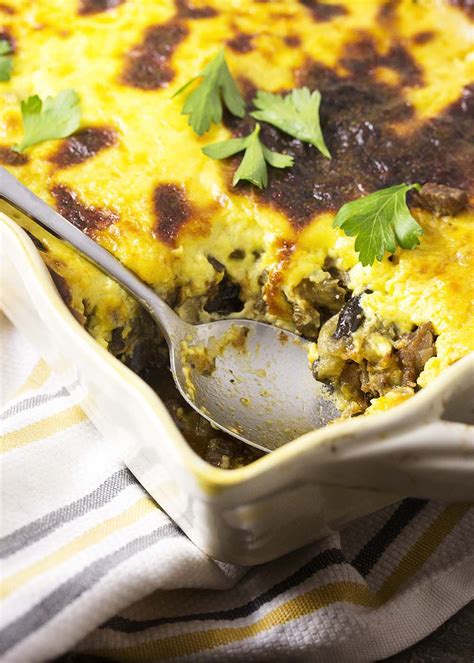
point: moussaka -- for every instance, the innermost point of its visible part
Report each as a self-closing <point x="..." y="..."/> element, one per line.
<point x="317" y="173"/>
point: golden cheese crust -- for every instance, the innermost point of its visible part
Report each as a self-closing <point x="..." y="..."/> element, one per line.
<point x="397" y="85"/>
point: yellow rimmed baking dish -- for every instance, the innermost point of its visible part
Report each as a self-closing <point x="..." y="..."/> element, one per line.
<point x="423" y="447"/>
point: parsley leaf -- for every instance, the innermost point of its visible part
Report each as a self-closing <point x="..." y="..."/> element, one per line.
<point x="379" y="222"/>
<point x="297" y="114"/>
<point x="204" y="104"/>
<point x="6" y="61"/>
<point x="253" y="166"/>
<point x="55" y="117"/>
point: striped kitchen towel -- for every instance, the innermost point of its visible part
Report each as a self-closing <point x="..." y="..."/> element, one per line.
<point x="90" y="563"/>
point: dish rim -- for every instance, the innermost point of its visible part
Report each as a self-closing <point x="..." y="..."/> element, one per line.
<point x="211" y="479"/>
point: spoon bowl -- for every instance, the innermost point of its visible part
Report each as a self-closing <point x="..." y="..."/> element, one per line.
<point x="248" y="378"/>
<point x="252" y="380"/>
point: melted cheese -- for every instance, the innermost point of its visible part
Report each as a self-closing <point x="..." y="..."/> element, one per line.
<point x="59" y="49"/>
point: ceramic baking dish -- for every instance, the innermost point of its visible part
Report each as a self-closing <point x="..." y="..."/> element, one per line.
<point x="424" y="447"/>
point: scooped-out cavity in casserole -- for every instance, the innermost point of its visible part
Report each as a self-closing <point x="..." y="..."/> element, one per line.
<point x="396" y="81"/>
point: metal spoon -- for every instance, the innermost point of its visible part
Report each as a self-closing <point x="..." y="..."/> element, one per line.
<point x="256" y="384"/>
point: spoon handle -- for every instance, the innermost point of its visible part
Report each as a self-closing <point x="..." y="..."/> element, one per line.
<point x="26" y="201"/>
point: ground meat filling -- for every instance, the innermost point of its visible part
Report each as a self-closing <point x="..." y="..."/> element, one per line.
<point x="228" y="453"/>
<point x="414" y="350"/>
<point x="358" y="368"/>
<point x="373" y="363"/>
<point x="441" y="199"/>
<point x="350" y="385"/>
<point x="315" y="300"/>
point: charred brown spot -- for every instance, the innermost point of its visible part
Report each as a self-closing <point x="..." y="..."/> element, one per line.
<point x="85" y="217"/>
<point x="323" y="12"/>
<point x="293" y="41"/>
<point x="147" y="65"/>
<point x="84" y="145"/>
<point x="358" y="114"/>
<point x="281" y="16"/>
<point x="248" y="90"/>
<point x="424" y="37"/>
<point x="6" y="9"/>
<point x="242" y="43"/>
<point x="172" y="210"/>
<point x="387" y="12"/>
<point x="185" y="9"/>
<point x="467" y="6"/>
<point x="11" y="158"/>
<point x="362" y="58"/>
<point x="87" y="7"/>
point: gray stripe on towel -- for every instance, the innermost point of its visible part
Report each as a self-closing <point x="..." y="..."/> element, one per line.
<point x="59" y="599"/>
<point x="31" y="402"/>
<point x="28" y="534"/>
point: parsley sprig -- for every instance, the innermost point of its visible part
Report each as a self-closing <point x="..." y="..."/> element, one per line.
<point x="253" y="166"/>
<point x="6" y="61"/>
<point x="297" y="114"/>
<point x="379" y="222"/>
<point x="204" y="104"/>
<point x="55" y="117"/>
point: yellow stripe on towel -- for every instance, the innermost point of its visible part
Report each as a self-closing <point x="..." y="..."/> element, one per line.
<point x="42" y="429"/>
<point x="423" y="548"/>
<point x="355" y="593"/>
<point x="186" y="644"/>
<point x="141" y="508"/>
<point x="36" y="378"/>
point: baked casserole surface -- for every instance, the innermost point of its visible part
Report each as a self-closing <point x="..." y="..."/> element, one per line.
<point x="397" y="105"/>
